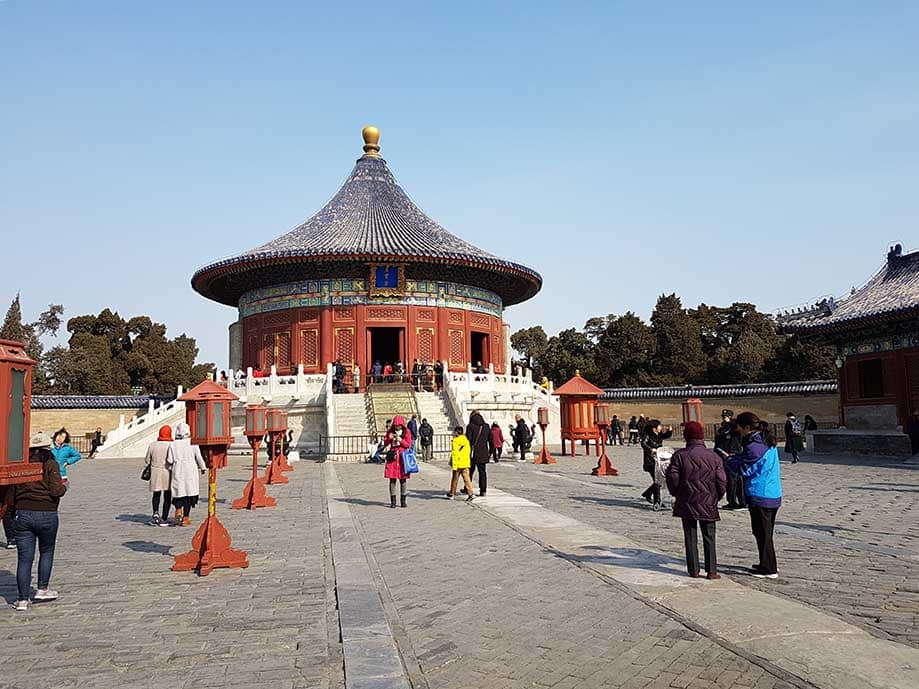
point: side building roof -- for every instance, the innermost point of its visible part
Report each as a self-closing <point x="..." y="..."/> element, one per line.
<point x="95" y="401"/>
<point x="892" y="294"/>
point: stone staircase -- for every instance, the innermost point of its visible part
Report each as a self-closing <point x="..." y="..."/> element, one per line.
<point x="351" y="429"/>
<point x="435" y="407"/>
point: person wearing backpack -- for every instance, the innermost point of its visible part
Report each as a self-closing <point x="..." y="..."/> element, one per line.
<point x="758" y="461"/>
<point x="792" y="436"/>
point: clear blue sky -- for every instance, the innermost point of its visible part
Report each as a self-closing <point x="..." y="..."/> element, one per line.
<point x="767" y="153"/>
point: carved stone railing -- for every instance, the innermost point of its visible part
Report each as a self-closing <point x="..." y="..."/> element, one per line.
<point x="299" y="387"/>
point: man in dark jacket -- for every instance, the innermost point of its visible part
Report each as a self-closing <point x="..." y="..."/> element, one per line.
<point x="727" y="443"/>
<point x="426" y="438"/>
<point x="696" y="479"/>
<point x="477" y="432"/>
<point x="413" y="429"/>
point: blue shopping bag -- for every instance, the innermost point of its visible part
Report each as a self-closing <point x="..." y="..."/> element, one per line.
<point x="409" y="461"/>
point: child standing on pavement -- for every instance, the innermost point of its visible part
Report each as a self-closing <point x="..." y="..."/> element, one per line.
<point x="460" y="461"/>
<point x="397" y="440"/>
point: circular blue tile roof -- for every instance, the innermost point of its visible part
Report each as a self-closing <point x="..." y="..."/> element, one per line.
<point x="370" y="219"/>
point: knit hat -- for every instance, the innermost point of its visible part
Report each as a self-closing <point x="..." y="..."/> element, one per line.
<point x="40" y="440"/>
<point x="727" y="412"/>
<point x="165" y="433"/>
<point x="693" y="431"/>
<point x="182" y="430"/>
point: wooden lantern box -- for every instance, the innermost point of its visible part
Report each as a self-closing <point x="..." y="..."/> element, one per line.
<point x="15" y="407"/>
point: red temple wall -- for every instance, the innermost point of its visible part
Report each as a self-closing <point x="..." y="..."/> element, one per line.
<point x="317" y="336"/>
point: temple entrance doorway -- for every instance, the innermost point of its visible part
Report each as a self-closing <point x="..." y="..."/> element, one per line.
<point x="386" y="345"/>
<point x="480" y="350"/>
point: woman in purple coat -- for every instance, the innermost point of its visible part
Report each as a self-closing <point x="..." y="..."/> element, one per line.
<point x="697" y="481"/>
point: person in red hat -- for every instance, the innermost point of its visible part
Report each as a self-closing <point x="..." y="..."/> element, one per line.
<point x="697" y="481"/>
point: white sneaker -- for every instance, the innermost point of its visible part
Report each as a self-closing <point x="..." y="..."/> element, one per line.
<point x="763" y="575"/>
<point x="10" y="546"/>
<point x="521" y="460"/>
<point x="21" y="605"/>
<point x="45" y="594"/>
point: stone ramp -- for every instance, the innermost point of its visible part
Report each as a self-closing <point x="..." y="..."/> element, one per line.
<point x="474" y="603"/>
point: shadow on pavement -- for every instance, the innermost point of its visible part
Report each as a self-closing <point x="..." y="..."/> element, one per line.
<point x="618" y="502"/>
<point x="365" y="503"/>
<point x="886" y="488"/>
<point x="136" y="518"/>
<point x="148" y="547"/>
<point x="8" y="588"/>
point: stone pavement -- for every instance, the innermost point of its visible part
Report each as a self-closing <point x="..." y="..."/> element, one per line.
<point x="847" y="535"/>
<point x="124" y="620"/>
<point x="475" y="603"/>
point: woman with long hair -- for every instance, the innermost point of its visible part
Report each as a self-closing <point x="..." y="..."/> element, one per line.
<point x="758" y="461"/>
<point x="652" y="439"/>
<point x="398" y="439"/>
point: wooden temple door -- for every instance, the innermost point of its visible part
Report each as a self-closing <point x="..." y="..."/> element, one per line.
<point x="276" y="352"/>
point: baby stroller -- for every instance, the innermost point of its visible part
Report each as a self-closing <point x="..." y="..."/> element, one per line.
<point x="662" y="458"/>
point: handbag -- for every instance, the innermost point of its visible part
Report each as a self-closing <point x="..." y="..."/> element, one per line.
<point x="145" y="474"/>
<point x="409" y="461"/>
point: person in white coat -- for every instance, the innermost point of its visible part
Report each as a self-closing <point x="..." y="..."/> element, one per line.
<point x="187" y="464"/>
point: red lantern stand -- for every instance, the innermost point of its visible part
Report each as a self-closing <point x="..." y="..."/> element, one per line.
<point x="604" y="466"/>
<point x="207" y="411"/>
<point x="15" y="410"/>
<point x="692" y="411"/>
<point x="544" y="456"/>
<point x="254" y="495"/>
<point x="277" y="425"/>
<point x="282" y="443"/>
<point x="577" y="399"/>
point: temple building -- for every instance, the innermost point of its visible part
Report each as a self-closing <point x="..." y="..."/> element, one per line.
<point x="368" y="278"/>
<point x="876" y="334"/>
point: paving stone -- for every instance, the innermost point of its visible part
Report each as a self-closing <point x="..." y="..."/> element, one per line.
<point x="124" y="620"/>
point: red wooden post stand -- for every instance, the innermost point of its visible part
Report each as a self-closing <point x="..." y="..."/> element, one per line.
<point x="211" y="545"/>
<point x="601" y="418"/>
<point x="544" y="456"/>
<point x="273" y="473"/>
<point x="254" y="495"/>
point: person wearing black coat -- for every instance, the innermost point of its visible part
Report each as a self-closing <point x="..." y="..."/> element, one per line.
<point x="653" y="438"/>
<point x="696" y="479"/>
<point x="522" y="438"/>
<point x="727" y="443"/>
<point x="478" y="432"/>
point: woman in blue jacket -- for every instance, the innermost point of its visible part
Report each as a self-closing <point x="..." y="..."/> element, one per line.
<point x="64" y="452"/>
<point x="758" y="461"/>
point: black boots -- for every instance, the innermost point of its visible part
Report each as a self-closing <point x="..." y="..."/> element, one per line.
<point x="392" y="501"/>
<point x="403" y="502"/>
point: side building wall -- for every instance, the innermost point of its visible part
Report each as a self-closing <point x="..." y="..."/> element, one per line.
<point x="771" y="408"/>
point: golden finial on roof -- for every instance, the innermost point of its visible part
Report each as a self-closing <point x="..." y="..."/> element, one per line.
<point x="371" y="141"/>
<point x="577" y="372"/>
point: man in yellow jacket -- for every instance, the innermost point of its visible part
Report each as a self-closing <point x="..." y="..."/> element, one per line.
<point x="460" y="462"/>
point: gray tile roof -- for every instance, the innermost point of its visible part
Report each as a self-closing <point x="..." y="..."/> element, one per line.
<point x="370" y="218"/>
<point x="94" y="401"/>
<point x="892" y="294"/>
<point x="805" y="387"/>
